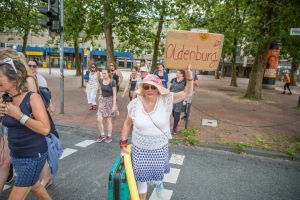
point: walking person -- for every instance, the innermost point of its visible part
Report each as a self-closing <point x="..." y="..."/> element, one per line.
<point x="162" y="74"/>
<point x="26" y="135"/>
<point x="149" y="114"/>
<point x="287" y="81"/>
<point x="142" y="75"/>
<point x="116" y="74"/>
<point x="33" y="66"/>
<point x="6" y="170"/>
<point x="107" y="107"/>
<point x="92" y="86"/>
<point x="131" y="83"/>
<point x="177" y="85"/>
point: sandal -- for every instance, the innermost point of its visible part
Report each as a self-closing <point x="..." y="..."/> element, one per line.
<point x="94" y="107"/>
<point x="91" y="108"/>
<point x="47" y="184"/>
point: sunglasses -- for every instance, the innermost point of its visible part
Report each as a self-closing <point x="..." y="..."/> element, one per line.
<point x="146" y="87"/>
<point x="11" y="62"/>
<point x="111" y="65"/>
<point x="32" y="66"/>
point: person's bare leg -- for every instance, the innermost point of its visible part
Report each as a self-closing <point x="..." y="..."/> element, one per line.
<point x="39" y="191"/>
<point x="45" y="175"/>
<point x="19" y="193"/>
<point x="4" y="169"/>
<point x="100" y="124"/>
<point x="143" y="196"/>
<point x="109" y="126"/>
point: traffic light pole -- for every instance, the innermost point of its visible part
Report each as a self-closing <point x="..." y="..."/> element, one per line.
<point x="61" y="57"/>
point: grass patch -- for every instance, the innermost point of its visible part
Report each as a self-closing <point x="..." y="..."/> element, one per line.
<point x="262" y="143"/>
<point x="296" y="108"/>
<point x="189" y="136"/>
<point x="293" y="149"/>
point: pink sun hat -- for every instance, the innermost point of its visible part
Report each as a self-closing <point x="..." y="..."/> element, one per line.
<point x="152" y="80"/>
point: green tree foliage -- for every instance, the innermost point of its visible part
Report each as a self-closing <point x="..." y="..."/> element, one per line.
<point x="19" y="18"/>
<point x="290" y="43"/>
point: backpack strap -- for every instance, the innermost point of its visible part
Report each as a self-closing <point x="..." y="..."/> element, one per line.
<point x="28" y="103"/>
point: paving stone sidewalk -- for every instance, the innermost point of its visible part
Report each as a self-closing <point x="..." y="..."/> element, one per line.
<point x="270" y="124"/>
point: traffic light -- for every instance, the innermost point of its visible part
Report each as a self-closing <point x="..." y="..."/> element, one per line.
<point x="52" y="12"/>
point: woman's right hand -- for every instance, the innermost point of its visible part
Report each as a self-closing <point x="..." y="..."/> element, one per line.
<point x="123" y="95"/>
<point x="123" y="151"/>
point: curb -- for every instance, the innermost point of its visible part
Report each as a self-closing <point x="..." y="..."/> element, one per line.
<point x="250" y="151"/>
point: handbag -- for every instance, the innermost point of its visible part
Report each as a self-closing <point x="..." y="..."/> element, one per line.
<point x="45" y="94"/>
<point x="87" y="75"/>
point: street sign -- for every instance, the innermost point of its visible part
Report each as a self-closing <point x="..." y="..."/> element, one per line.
<point x="295" y="31"/>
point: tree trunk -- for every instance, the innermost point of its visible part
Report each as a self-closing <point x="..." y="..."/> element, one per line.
<point x="108" y="34"/>
<point x="255" y="81"/>
<point x="294" y="69"/>
<point x="217" y="72"/>
<point x="77" y="59"/>
<point x="156" y="43"/>
<point x="233" y="64"/>
<point x="223" y="67"/>
<point x="25" y="36"/>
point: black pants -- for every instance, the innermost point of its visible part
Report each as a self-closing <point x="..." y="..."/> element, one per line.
<point x="287" y="85"/>
<point x="176" y="116"/>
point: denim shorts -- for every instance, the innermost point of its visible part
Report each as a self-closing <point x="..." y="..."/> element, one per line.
<point x="28" y="170"/>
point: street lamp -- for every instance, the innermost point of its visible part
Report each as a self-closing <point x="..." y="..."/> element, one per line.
<point x="82" y="35"/>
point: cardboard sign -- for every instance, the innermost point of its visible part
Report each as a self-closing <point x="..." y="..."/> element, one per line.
<point x="201" y="50"/>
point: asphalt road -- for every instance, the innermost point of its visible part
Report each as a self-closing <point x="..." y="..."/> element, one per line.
<point x="198" y="173"/>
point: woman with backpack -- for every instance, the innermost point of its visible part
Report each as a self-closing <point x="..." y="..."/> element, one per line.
<point x="107" y="107"/>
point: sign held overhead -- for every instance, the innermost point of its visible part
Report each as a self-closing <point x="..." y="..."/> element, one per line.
<point x="201" y="50"/>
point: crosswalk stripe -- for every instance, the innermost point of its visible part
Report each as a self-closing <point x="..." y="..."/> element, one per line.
<point x="85" y="143"/>
<point x="176" y="159"/>
<point x="67" y="152"/>
<point x="166" y="195"/>
<point x="172" y="176"/>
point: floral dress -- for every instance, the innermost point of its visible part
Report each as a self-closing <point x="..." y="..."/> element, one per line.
<point x="92" y="84"/>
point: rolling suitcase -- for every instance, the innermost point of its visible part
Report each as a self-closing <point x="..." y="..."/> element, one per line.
<point x="117" y="181"/>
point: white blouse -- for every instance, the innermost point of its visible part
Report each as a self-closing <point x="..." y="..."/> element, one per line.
<point x="145" y="134"/>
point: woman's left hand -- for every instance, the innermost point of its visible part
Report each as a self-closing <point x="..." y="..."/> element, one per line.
<point x="13" y="111"/>
<point x="113" y="108"/>
<point x="189" y="72"/>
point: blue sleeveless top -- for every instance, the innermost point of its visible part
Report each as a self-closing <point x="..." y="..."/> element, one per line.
<point x="22" y="141"/>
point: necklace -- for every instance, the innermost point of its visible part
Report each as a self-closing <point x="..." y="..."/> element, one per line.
<point x="16" y="95"/>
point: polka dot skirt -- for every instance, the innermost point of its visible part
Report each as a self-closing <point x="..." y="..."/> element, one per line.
<point x="150" y="165"/>
<point x="28" y="170"/>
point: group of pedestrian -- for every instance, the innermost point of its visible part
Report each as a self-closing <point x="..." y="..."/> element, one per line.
<point x="25" y="148"/>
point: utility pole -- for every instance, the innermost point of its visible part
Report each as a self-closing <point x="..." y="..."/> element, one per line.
<point x="61" y="57"/>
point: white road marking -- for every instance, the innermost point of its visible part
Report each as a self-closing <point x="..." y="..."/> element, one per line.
<point x="67" y="152"/>
<point x="166" y="195"/>
<point x="85" y="143"/>
<point x="176" y="159"/>
<point x="172" y="176"/>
